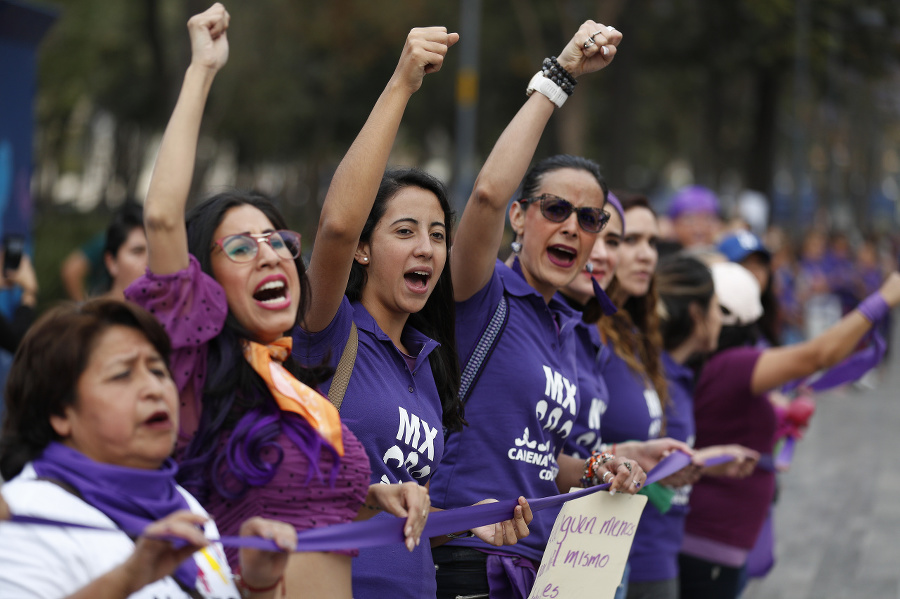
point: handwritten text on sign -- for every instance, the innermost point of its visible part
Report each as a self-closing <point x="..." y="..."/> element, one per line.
<point x="589" y="546"/>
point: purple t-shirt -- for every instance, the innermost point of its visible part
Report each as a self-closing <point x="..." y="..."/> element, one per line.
<point x="395" y="411"/>
<point x="726" y="510"/>
<point x="654" y="553"/>
<point x="593" y="393"/>
<point x="520" y="411"/>
<point x="634" y="412"/>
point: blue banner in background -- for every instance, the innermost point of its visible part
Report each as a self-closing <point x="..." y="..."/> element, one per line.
<point x="22" y="26"/>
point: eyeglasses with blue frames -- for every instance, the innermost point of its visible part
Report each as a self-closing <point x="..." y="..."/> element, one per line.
<point x="244" y="247"/>
<point x="557" y="210"/>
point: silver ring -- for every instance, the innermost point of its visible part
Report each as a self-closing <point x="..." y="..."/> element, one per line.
<point x="604" y="475"/>
<point x="589" y="42"/>
<point x="637" y="485"/>
<point x="598" y="32"/>
<point x="627" y="465"/>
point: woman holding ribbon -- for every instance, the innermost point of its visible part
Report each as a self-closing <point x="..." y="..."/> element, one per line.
<point x="523" y="399"/>
<point x="726" y="515"/>
<point x="229" y="285"/>
<point x="379" y="268"/>
<point x="91" y="419"/>
<point x="690" y="321"/>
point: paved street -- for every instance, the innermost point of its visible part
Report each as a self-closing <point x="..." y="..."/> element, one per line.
<point x="838" y="517"/>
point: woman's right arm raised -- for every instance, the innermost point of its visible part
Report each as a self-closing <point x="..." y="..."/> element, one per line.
<point x="480" y="230"/>
<point x="352" y="191"/>
<point x="174" y="169"/>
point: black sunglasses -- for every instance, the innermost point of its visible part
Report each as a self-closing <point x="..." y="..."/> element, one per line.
<point x="557" y="210"/>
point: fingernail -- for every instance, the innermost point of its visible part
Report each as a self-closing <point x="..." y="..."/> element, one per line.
<point x="604" y="50"/>
<point x="612" y="491"/>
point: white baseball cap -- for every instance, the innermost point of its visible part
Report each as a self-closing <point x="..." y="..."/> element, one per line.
<point x="738" y="292"/>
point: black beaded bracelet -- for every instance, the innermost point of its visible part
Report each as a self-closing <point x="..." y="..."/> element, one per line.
<point x="556" y="73"/>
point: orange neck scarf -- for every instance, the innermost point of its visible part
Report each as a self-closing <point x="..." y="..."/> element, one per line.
<point x="290" y="394"/>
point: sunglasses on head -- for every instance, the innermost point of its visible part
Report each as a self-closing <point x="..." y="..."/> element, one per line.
<point x="557" y="210"/>
<point x="244" y="247"/>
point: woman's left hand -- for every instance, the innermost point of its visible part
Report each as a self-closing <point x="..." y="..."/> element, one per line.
<point x="509" y="531"/>
<point x="406" y="500"/>
<point x="263" y="569"/>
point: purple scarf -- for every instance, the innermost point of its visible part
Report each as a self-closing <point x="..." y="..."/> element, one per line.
<point x="130" y="497"/>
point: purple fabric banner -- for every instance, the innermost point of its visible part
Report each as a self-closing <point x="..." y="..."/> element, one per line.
<point x="373" y="533"/>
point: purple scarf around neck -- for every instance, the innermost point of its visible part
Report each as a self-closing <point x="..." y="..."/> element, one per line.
<point x="130" y="497"/>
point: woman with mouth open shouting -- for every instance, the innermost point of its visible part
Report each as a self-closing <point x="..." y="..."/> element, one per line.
<point x="379" y="263"/>
<point x="523" y="404"/>
<point x="228" y="283"/>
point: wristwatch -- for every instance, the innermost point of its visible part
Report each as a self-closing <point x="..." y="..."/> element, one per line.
<point x="545" y="87"/>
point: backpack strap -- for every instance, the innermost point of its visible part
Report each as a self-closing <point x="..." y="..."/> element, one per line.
<point x="483" y="349"/>
<point x="344" y="369"/>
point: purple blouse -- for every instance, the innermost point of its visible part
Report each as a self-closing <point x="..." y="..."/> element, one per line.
<point x="191" y="306"/>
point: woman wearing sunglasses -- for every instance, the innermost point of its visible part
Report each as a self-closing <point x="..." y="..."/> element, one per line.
<point x="228" y="284"/>
<point x="523" y="404"/>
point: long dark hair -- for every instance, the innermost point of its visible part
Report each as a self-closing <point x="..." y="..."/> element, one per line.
<point x="681" y="281"/>
<point x="769" y="324"/>
<point x="43" y="379"/>
<point x="128" y="218"/>
<point x="235" y="398"/>
<point x="437" y="319"/>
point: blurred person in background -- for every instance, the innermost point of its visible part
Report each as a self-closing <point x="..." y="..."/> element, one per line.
<point x="125" y="250"/>
<point x="108" y="262"/>
<point x="694" y="214"/>
<point x="784" y="281"/>
<point x="83" y="272"/>
<point x="842" y="278"/>
<point x="821" y="308"/>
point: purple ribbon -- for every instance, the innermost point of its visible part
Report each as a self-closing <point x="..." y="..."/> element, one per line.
<point x="606" y="304"/>
<point x="719" y="459"/>
<point x="851" y="369"/>
<point x="384" y="531"/>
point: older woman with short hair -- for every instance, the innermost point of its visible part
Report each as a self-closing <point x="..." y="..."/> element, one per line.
<point x="92" y="417"/>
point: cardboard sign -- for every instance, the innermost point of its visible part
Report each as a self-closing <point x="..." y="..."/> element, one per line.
<point x="589" y="546"/>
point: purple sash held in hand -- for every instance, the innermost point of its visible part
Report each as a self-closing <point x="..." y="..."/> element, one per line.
<point x="851" y="369"/>
<point x="377" y="532"/>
